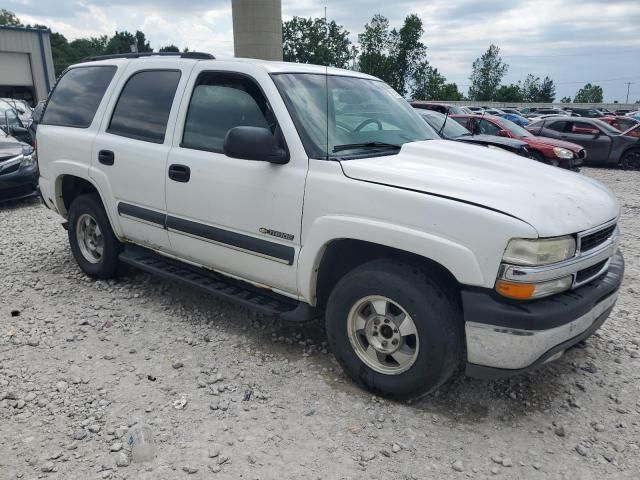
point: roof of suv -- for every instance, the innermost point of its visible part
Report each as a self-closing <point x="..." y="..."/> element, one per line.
<point x="268" y="66"/>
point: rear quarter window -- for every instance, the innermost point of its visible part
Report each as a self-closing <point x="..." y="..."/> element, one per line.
<point x="77" y="95"/>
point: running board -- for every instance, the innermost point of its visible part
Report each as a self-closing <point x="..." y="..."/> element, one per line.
<point x="218" y="285"/>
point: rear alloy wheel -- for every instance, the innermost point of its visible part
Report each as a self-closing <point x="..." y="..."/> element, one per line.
<point x="395" y="329"/>
<point x="630" y="160"/>
<point x="93" y="243"/>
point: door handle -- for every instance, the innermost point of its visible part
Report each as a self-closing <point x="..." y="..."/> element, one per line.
<point x="106" y="157"/>
<point x="179" y="173"/>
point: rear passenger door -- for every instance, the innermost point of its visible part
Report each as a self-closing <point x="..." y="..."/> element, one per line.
<point x="131" y="148"/>
<point x="242" y="217"/>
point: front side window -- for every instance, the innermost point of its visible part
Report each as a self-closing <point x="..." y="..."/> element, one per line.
<point x="452" y="129"/>
<point x="220" y="102"/>
<point x="77" y="95"/>
<point x="144" y="105"/>
<point x="343" y="117"/>
<point x="558" y="126"/>
<point x="488" y="128"/>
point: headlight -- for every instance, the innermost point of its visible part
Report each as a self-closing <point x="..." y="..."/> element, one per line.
<point x="521" y="251"/>
<point x="28" y="156"/>
<point x="562" y="152"/>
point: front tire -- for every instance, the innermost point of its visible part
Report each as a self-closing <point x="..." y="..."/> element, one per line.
<point x="395" y="330"/>
<point x="93" y="243"/>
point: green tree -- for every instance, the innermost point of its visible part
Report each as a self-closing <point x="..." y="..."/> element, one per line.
<point x="486" y="75"/>
<point x="313" y="40"/>
<point x="565" y="100"/>
<point x="547" y="91"/>
<point x="589" y="94"/>
<point x="9" y="18"/>
<point x="429" y="84"/>
<point x="141" y="42"/>
<point x="375" y="43"/>
<point x="509" y="93"/>
<point x="407" y="53"/>
<point x="169" y="48"/>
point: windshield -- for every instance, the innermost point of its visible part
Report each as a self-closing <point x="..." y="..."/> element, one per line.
<point x="362" y="116"/>
<point x="452" y="129"/>
<point x="516" y="130"/>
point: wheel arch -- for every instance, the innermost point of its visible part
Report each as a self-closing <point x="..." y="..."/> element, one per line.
<point x="343" y="255"/>
<point x="68" y="187"/>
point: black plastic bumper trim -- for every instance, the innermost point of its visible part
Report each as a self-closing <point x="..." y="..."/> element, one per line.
<point x="237" y="240"/>
<point x="140" y="213"/>
<point x="485" y="306"/>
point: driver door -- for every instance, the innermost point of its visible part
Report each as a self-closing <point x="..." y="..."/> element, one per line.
<point x="242" y="217"/>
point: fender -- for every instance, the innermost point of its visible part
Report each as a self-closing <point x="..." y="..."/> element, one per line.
<point x="458" y="259"/>
<point x="61" y="168"/>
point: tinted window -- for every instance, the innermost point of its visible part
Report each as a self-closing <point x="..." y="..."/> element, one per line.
<point x="451" y="128"/>
<point x="557" y="126"/>
<point x="77" y="95"/>
<point x="220" y="102"/>
<point x="144" y="105"/>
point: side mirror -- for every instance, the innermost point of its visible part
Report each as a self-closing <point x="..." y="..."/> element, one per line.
<point x="503" y="133"/>
<point x="254" y="143"/>
<point x="595" y="132"/>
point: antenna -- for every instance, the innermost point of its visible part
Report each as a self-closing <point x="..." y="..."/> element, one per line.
<point x="446" y="117"/>
<point x="628" y="84"/>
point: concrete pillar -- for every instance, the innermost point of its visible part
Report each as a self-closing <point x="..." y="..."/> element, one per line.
<point x="257" y="29"/>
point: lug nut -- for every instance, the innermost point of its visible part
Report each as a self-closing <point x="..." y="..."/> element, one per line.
<point x="386" y="320"/>
<point x="384" y="343"/>
<point x="394" y="342"/>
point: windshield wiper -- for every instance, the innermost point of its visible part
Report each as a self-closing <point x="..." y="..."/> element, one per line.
<point x="350" y="146"/>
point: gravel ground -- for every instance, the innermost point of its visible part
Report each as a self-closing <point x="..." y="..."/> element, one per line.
<point x="81" y="361"/>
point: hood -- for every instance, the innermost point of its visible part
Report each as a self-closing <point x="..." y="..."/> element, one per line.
<point x="554" y="142"/>
<point x="553" y="200"/>
<point x="494" y="140"/>
<point x="9" y="147"/>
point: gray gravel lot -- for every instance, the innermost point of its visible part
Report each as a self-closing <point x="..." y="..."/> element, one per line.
<point x="81" y="361"/>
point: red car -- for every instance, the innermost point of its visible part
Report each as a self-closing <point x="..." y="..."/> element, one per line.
<point x="624" y="124"/>
<point x="545" y="150"/>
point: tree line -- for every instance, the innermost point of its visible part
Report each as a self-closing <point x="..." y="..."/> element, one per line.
<point x="399" y="57"/>
<point x="396" y="55"/>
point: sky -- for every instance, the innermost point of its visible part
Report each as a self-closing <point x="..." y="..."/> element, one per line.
<point x="572" y="41"/>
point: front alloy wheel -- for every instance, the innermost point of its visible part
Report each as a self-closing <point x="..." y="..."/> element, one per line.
<point x="383" y="335"/>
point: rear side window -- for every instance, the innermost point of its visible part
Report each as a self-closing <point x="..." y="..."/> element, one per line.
<point x="77" y="95"/>
<point x="558" y="126"/>
<point x="144" y="105"/>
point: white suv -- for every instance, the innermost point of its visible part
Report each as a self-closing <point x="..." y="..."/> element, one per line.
<point x="305" y="191"/>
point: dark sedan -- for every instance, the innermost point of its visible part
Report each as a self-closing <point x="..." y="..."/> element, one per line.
<point x="454" y="131"/>
<point x="18" y="169"/>
<point x="605" y="144"/>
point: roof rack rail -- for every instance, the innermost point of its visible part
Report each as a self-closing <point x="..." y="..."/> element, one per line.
<point x="193" y="55"/>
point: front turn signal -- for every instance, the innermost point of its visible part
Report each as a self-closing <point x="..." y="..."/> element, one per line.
<point x="519" y="291"/>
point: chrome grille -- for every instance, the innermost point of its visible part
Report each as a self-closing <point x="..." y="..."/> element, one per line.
<point x="595" y="239"/>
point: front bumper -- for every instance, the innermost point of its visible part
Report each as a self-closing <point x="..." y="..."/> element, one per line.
<point x="19" y="183"/>
<point x="507" y="338"/>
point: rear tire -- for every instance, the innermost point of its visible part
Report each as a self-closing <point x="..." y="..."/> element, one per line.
<point x="368" y="311"/>
<point x="630" y="160"/>
<point x="93" y="243"/>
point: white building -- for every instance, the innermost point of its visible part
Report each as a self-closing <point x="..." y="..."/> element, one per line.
<point x="26" y="64"/>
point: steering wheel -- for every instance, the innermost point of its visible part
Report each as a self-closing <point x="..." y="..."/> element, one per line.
<point x="367" y="122"/>
<point x="344" y="127"/>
